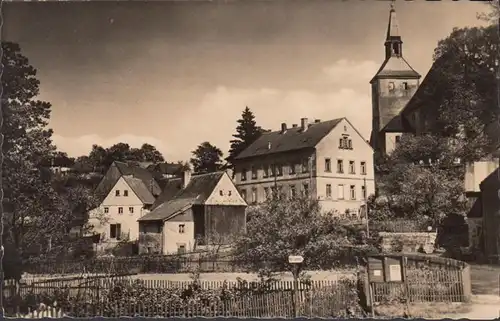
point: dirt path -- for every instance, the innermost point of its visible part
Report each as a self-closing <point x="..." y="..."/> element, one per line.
<point x="484" y="307"/>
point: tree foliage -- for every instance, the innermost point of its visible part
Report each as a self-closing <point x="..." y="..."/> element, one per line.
<point x="36" y="214"/>
<point x="247" y="132"/>
<point x="278" y="228"/>
<point x="100" y="158"/>
<point x="207" y="158"/>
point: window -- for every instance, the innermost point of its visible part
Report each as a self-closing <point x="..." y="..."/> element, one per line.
<point x="244" y="194"/>
<point x="291" y="169"/>
<point x="221" y="193"/>
<point x="266" y="171"/>
<point x="120" y="210"/>
<point x="182" y="228"/>
<point x="345" y="128"/>
<point x="395" y="48"/>
<point x="352" y="170"/>
<point x="363" y="192"/>
<point x="106" y="210"/>
<point x="398" y="139"/>
<point x="125" y="193"/>
<point x="306" y="189"/>
<point x="345" y="142"/>
<point x="305" y="166"/>
<point x="293" y="191"/>
<point x="254" y="173"/>
<point x="363" y="168"/>
<point x="391" y="86"/>
<point x="353" y="192"/>
<point x="328" y="165"/>
<point x="117" y="192"/>
<point x="340" y="166"/>
<point x="115" y="231"/>
<point x="229" y="193"/>
<point x="340" y="192"/>
<point x="266" y="192"/>
<point x="328" y="190"/>
<point x="254" y="195"/>
<point x="279" y="170"/>
<point x="280" y="191"/>
<point x="405" y="85"/>
<point x="131" y="210"/>
<point x="243" y="174"/>
<point x="181" y="248"/>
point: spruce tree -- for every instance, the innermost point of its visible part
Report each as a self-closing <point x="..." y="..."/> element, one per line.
<point x="247" y="132"/>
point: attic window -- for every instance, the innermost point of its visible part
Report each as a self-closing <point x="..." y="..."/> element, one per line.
<point x="125" y="193"/>
<point x="117" y="192"/>
<point x="221" y="193"/>
<point x="229" y="193"/>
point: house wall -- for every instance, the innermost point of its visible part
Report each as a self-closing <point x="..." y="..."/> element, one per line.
<point x="491" y="217"/>
<point x="173" y="238"/>
<point x="476" y="172"/>
<point x="475" y="226"/>
<point x="225" y="193"/>
<point x="128" y="221"/>
<point x="283" y="182"/>
<point x="224" y="222"/>
<point x="328" y="148"/>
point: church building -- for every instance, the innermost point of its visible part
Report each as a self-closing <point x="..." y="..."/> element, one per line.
<point x="392" y="88"/>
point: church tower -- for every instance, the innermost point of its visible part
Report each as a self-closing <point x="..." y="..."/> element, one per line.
<point x="392" y="87"/>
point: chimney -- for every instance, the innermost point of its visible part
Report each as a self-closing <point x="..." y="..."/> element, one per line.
<point x="186" y="177"/>
<point x="269" y="145"/>
<point x="304" y="124"/>
<point x="283" y="128"/>
<point x="294" y="125"/>
<point x="317" y="121"/>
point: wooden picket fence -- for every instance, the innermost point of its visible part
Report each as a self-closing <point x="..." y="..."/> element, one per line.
<point x="277" y="299"/>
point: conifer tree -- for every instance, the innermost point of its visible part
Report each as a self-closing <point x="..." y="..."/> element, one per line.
<point x="247" y="132"/>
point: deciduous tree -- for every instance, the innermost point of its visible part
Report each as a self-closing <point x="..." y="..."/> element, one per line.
<point x="207" y="158"/>
<point x="34" y="210"/>
<point x="279" y="228"/>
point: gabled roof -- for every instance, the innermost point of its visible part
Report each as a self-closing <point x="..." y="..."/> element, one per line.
<point x="198" y="190"/>
<point x="140" y="189"/>
<point x="396" y="67"/>
<point x="140" y="173"/>
<point x="172" y="187"/>
<point x="293" y="139"/>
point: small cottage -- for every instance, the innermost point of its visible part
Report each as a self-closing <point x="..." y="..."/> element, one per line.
<point x="189" y="211"/>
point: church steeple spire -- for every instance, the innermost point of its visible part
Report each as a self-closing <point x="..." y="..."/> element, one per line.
<point x="393" y="43"/>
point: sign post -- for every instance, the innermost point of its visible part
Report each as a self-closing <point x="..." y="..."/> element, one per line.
<point x="295" y="260"/>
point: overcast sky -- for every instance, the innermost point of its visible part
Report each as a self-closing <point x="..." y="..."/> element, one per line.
<point x="175" y="74"/>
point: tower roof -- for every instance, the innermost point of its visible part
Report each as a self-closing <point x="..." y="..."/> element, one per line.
<point x="394" y="65"/>
<point x="393" y="27"/>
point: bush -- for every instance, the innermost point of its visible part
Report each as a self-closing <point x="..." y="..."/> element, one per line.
<point x="134" y="298"/>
